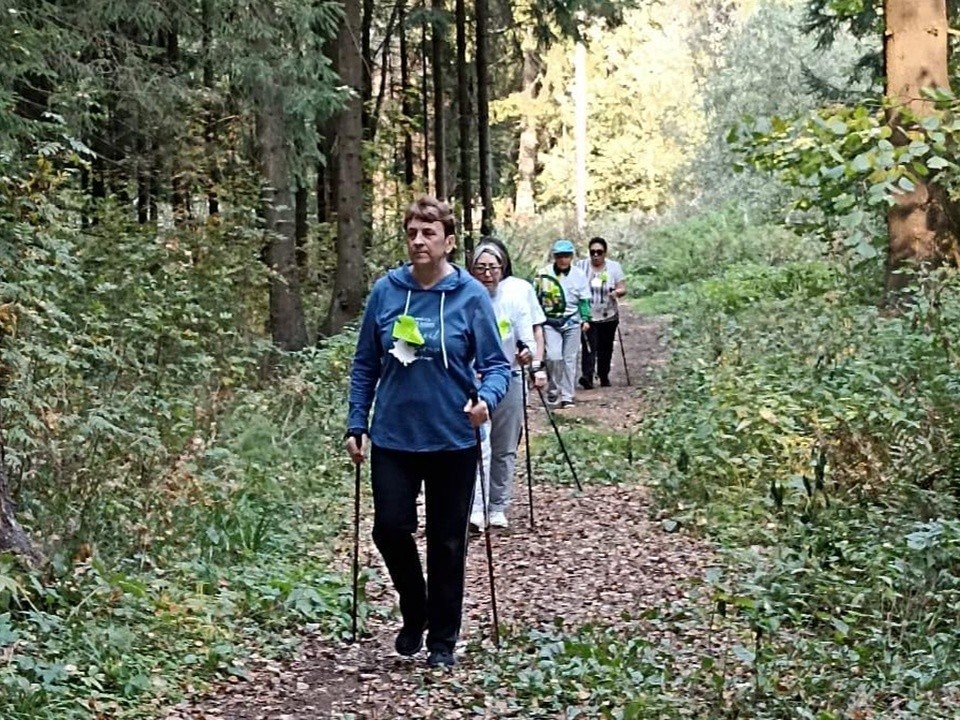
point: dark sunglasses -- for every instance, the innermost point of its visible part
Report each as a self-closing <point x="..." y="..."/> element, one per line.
<point x="596" y="253"/>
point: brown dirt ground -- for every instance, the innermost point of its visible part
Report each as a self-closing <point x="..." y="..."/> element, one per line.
<point x="595" y="556"/>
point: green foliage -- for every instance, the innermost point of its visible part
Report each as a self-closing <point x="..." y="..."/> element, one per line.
<point x="848" y="165"/>
<point x="642" y="125"/>
<point x="739" y="79"/>
<point x="235" y="557"/>
<point x="675" y="254"/>
<point x="171" y="463"/>
<point x="593" y="672"/>
<point x="815" y="437"/>
<point x="598" y="456"/>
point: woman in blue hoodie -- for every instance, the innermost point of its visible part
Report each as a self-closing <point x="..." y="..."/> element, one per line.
<point x="428" y="331"/>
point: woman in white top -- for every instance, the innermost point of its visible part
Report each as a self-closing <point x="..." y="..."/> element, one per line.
<point x="515" y="324"/>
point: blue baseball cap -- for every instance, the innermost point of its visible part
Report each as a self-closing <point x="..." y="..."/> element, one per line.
<point x="562" y="246"/>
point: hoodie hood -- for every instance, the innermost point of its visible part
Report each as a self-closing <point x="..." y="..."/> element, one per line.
<point x="403" y="276"/>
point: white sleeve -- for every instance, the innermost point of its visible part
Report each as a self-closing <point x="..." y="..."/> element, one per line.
<point x="616" y="274"/>
<point x="536" y="312"/>
<point x="524" y="324"/>
<point x="583" y="288"/>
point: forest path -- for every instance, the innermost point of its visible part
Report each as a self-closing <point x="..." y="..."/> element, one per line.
<point x="593" y="557"/>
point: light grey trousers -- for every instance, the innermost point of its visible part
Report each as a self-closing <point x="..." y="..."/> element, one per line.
<point x="499" y="462"/>
<point x="562" y="346"/>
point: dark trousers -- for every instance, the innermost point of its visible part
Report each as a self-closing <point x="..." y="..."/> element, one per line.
<point x="448" y="479"/>
<point x="597" y="349"/>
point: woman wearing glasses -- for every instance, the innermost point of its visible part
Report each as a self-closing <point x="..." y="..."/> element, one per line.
<point x="607" y="286"/>
<point x="515" y="325"/>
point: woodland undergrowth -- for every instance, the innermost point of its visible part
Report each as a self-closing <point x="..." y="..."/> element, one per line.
<point x="806" y="427"/>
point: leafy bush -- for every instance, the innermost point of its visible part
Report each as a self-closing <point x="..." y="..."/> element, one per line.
<point x="232" y="557"/>
<point x="803" y="423"/>
<point x="701" y="246"/>
<point x="174" y="466"/>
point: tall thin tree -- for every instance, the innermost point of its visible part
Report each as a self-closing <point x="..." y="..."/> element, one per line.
<point x="438" y="52"/>
<point x="287" y="324"/>
<point x="482" y="20"/>
<point x="465" y="139"/>
<point x="346" y="300"/>
<point x="406" y="106"/>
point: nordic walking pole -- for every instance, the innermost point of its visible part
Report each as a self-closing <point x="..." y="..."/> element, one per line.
<point x="526" y="440"/>
<point x="356" y="545"/>
<point x="559" y="439"/>
<point x="486" y="534"/>
<point x="623" y="354"/>
<point x="521" y="346"/>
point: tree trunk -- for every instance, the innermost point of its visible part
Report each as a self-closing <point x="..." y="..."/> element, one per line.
<point x="143" y="180"/>
<point x="465" y="136"/>
<point x="485" y="160"/>
<point x="438" y="46"/>
<point x="349" y="284"/>
<point x="405" y="104"/>
<point x="525" y="204"/>
<point x="209" y="122"/>
<point x="179" y="189"/>
<point x="327" y="169"/>
<point x="287" y="325"/>
<point x="922" y="224"/>
<point x="425" y="100"/>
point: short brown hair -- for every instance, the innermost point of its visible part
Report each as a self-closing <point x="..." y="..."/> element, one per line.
<point x="429" y="209"/>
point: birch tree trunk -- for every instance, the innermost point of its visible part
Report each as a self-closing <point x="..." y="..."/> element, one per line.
<point x="287" y="324"/>
<point x="580" y="133"/>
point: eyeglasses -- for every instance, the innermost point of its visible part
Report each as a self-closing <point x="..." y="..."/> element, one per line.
<point x="597" y="253"/>
<point x="484" y="269"/>
<point x="563" y="255"/>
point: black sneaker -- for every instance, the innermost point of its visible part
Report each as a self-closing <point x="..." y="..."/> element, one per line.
<point x="586" y="384"/>
<point x="604" y="382"/>
<point x="441" y="659"/>
<point x="410" y="639"/>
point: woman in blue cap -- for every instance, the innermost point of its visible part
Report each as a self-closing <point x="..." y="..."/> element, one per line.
<point x="564" y="293"/>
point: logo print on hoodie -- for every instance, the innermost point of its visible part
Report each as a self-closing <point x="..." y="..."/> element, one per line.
<point x="407" y="352"/>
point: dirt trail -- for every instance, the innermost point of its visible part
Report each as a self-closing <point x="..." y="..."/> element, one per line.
<point x="595" y="556"/>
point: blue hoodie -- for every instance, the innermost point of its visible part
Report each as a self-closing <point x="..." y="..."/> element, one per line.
<point x="419" y="406"/>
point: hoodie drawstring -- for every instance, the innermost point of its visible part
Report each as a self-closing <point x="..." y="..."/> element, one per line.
<point x="443" y="342"/>
<point x="443" y="338"/>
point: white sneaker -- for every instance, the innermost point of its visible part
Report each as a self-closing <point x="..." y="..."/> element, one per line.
<point x="476" y="522"/>
<point x="498" y="519"/>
